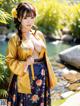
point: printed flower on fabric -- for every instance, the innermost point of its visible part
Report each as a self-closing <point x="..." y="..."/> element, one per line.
<point x="39" y="82"/>
<point x="14" y="97"/>
<point x="9" y="104"/>
<point x="42" y="95"/>
<point x="46" y="94"/>
<point x="42" y="104"/>
<point x="42" y="72"/>
<point x="32" y="87"/>
<point x="35" y="98"/>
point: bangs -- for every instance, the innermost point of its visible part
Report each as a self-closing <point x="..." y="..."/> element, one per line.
<point x="26" y="10"/>
<point x="29" y="14"/>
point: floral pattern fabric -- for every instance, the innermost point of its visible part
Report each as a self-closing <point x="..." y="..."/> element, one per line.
<point x="40" y="95"/>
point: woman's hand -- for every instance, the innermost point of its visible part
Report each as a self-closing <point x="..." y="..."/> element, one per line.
<point x="30" y="60"/>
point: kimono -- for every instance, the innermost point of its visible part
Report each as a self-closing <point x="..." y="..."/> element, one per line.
<point x="30" y="88"/>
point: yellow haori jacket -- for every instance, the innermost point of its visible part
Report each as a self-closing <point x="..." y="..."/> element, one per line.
<point x="15" y="59"/>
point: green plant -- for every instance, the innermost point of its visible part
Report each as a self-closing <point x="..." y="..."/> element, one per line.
<point x="75" y="28"/>
<point x="4" y="75"/>
<point x="4" y="16"/>
<point x="75" y="25"/>
<point x="48" y="15"/>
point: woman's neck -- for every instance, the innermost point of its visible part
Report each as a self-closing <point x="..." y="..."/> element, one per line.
<point x="25" y="35"/>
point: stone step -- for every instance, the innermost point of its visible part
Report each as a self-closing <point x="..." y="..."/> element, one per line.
<point x="73" y="100"/>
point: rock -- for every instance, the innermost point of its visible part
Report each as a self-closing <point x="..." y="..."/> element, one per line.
<point x="3" y="102"/>
<point x="65" y="71"/>
<point x="59" y="65"/>
<point x="66" y="38"/>
<point x="73" y="72"/>
<point x="2" y="37"/>
<point x="74" y="87"/>
<point x="73" y="100"/>
<point x="67" y="94"/>
<point x="65" y="30"/>
<point x="72" y="77"/>
<point x="71" y="56"/>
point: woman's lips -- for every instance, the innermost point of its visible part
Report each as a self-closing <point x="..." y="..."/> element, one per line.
<point x="28" y="25"/>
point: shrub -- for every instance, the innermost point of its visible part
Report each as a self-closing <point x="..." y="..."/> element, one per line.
<point x="75" y="25"/>
<point x="48" y="15"/>
<point x="4" y="75"/>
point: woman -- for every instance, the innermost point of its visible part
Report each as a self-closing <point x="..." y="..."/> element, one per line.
<point x="27" y="59"/>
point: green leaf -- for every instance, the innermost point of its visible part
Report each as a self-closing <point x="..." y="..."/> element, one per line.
<point x="3" y="92"/>
<point x="4" y="16"/>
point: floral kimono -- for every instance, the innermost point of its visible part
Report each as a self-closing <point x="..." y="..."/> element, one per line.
<point x="29" y="86"/>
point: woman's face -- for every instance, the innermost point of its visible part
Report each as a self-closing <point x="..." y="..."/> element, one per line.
<point x="27" y="23"/>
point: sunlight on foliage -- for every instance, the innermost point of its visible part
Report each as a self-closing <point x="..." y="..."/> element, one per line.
<point x="4" y="76"/>
<point x="4" y="16"/>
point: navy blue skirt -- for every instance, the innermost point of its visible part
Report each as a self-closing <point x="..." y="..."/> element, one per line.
<point x="40" y="90"/>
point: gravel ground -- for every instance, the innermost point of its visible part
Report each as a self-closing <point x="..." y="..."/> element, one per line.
<point x="61" y="86"/>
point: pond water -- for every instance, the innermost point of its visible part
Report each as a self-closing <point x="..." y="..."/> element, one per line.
<point x="53" y="48"/>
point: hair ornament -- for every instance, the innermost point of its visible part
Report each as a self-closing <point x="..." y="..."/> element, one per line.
<point x="14" y="13"/>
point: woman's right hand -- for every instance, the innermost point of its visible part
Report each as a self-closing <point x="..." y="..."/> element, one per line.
<point x="30" y="60"/>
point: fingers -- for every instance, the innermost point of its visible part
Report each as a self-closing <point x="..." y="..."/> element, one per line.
<point x="30" y="60"/>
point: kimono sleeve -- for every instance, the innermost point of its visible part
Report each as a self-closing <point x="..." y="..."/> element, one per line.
<point x="15" y="66"/>
<point x="52" y="76"/>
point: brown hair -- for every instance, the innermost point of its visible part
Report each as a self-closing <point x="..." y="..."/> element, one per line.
<point x="22" y="8"/>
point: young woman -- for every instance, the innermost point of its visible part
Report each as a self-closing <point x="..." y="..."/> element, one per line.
<point x="27" y="59"/>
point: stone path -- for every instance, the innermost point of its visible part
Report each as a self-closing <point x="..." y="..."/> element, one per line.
<point x="61" y="86"/>
<point x="73" y="100"/>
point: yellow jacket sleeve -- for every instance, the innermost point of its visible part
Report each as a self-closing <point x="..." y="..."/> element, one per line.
<point x="16" y="66"/>
<point x="52" y="76"/>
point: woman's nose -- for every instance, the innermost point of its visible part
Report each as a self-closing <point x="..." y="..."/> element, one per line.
<point x="30" y="22"/>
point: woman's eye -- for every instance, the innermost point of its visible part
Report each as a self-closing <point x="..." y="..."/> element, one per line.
<point x="32" y="17"/>
<point x="25" y="17"/>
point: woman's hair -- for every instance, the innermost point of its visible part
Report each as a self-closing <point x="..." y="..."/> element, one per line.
<point x="22" y="8"/>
